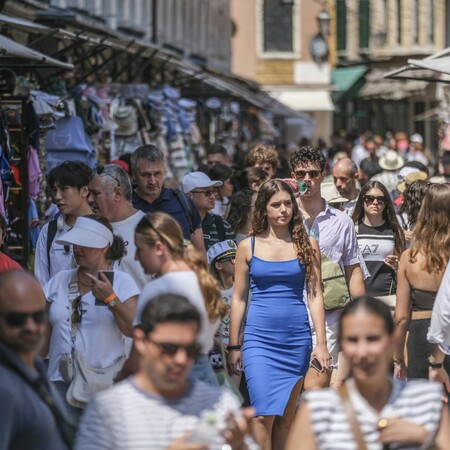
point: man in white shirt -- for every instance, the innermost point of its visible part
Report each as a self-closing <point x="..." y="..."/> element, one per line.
<point x="110" y="195"/>
<point x="345" y="175"/>
<point x="159" y="407"/>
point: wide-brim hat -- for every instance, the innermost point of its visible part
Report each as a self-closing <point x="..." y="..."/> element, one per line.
<point x="391" y="160"/>
<point x="410" y="179"/>
<point x="329" y="192"/>
<point x="88" y="232"/>
<point x="196" y="180"/>
<point x="221" y="250"/>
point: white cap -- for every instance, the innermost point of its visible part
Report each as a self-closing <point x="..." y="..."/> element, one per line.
<point x="195" y="180"/>
<point x="87" y="232"/>
<point x="416" y="137"/>
<point x="221" y="250"/>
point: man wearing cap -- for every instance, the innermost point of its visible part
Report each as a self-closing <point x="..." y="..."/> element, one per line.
<point x="416" y="149"/>
<point x="391" y="162"/>
<point x="110" y="195"/>
<point x="202" y="190"/>
<point x="148" y="166"/>
<point x="345" y="176"/>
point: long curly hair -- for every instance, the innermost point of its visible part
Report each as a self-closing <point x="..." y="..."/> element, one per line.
<point x="412" y="201"/>
<point x="431" y="233"/>
<point x="160" y="226"/>
<point x="388" y="213"/>
<point x="303" y="248"/>
<point x="239" y="209"/>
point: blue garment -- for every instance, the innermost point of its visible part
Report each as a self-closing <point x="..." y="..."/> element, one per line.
<point x="277" y="337"/>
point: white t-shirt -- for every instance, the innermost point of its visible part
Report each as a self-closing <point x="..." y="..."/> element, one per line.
<point x="60" y="259"/>
<point x="224" y="328"/>
<point x="125" y="229"/>
<point x="183" y="283"/>
<point x="98" y="337"/>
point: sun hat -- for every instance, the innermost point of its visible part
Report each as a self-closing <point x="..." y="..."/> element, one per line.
<point x="329" y="192"/>
<point x="221" y="250"/>
<point x="88" y="232"/>
<point x="195" y="180"/>
<point x="391" y="160"/>
<point x="410" y="179"/>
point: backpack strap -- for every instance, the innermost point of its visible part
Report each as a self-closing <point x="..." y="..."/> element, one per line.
<point x="187" y="208"/>
<point x="51" y="233"/>
<point x="218" y="220"/>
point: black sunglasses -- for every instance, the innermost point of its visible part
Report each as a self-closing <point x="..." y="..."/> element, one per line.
<point x="369" y="199"/>
<point x="101" y="169"/>
<point x="311" y="173"/>
<point x="76" y="311"/>
<point x="19" y="319"/>
<point x="170" y="349"/>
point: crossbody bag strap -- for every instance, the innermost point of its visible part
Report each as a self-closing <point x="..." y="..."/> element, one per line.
<point x="73" y="294"/>
<point x="351" y="417"/>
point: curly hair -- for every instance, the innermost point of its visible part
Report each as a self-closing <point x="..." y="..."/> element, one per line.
<point x="303" y="248"/>
<point x="308" y="155"/>
<point x="245" y="178"/>
<point x="431" y="233"/>
<point x="388" y="213"/>
<point x="238" y="211"/>
<point x="412" y="200"/>
<point x="162" y="227"/>
<point x="263" y="154"/>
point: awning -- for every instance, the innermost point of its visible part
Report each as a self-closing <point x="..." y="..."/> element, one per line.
<point x="376" y="87"/>
<point x="13" y="53"/>
<point x="432" y="68"/>
<point x="347" y="81"/>
<point x="313" y="100"/>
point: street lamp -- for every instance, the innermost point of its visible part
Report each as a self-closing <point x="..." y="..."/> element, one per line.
<point x="318" y="46"/>
<point x="323" y="21"/>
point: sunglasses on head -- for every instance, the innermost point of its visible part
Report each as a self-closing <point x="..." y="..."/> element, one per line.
<point x="19" y="319"/>
<point x="170" y="349"/>
<point x="369" y="199"/>
<point x="311" y="173"/>
<point x="101" y="169"/>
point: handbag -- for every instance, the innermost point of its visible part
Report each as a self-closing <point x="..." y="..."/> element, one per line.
<point x="85" y="381"/>
<point x="334" y="285"/>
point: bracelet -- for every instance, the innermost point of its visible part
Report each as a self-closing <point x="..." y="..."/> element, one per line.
<point x="398" y="361"/>
<point x="233" y="347"/>
<point x="113" y="303"/>
<point x="435" y="365"/>
<point x="109" y="298"/>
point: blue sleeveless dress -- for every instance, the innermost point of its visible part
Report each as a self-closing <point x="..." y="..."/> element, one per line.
<point x="277" y="337"/>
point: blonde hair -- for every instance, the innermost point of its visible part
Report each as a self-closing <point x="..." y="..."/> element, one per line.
<point x="162" y="227"/>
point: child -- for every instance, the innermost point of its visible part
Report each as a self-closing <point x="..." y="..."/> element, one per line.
<point x="6" y="263"/>
<point x="221" y="261"/>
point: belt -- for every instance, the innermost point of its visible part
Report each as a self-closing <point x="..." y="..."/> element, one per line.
<point x="418" y="315"/>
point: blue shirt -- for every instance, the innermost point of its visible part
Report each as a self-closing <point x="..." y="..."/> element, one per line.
<point x="167" y="202"/>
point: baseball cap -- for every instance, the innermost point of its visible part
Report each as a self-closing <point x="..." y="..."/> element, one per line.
<point x="416" y="137"/>
<point x="87" y="232"/>
<point x="221" y="250"/>
<point x="195" y="180"/>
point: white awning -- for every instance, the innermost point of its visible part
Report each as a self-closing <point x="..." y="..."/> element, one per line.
<point x="313" y="100"/>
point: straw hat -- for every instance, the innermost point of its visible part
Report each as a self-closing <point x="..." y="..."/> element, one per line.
<point x="330" y="193"/>
<point x="410" y="179"/>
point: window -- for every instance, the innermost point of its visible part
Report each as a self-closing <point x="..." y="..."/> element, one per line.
<point x="364" y="24"/>
<point x="399" y="21"/>
<point x="429" y="17"/>
<point x="415" y="22"/>
<point x="277" y="27"/>
<point x="341" y="23"/>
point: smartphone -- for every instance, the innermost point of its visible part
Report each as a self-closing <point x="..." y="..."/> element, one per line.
<point x="315" y="364"/>
<point x="110" y="275"/>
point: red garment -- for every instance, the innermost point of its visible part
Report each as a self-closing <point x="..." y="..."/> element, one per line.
<point x="6" y="263"/>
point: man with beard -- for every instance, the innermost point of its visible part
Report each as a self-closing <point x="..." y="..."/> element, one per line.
<point x="345" y="174"/>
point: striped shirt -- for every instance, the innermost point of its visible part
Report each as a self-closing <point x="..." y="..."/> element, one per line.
<point x="418" y="401"/>
<point x="127" y="418"/>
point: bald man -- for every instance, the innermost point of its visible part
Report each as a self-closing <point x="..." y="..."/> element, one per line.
<point x="31" y="413"/>
<point x="345" y="175"/>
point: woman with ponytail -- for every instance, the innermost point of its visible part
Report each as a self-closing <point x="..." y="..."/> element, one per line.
<point x="179" y="269"/>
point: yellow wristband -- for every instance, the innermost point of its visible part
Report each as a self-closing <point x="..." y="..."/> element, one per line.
<point x="109" y="298"/>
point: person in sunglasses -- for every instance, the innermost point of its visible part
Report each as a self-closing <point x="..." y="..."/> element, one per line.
<point x="335" y="233"/>
<point x="380" y="238"/>
<point x="203" y="192"/>
<point x="69" y="185"/>
<point x="159" y="407"/>
<point x="27" y="420"/>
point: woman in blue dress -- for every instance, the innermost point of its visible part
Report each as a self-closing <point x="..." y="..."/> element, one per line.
<point x="275" y="262"/>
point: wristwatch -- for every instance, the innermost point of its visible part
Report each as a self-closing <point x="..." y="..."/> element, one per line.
<point x="114" y="302"/>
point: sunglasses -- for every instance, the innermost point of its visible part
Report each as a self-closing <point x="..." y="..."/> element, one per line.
<point x="207" y="193"/>
<point x="19" y="319"/>
<point x="369" y="199"/>
<point x="170" y="349"/>
<point x="311" y="173"/>
<point x="101" y="169"/>
<point x="76" y="311"/>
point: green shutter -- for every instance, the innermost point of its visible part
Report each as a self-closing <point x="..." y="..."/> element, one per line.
<point x="364" y="24"/>
<point x="341" y="24"/>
